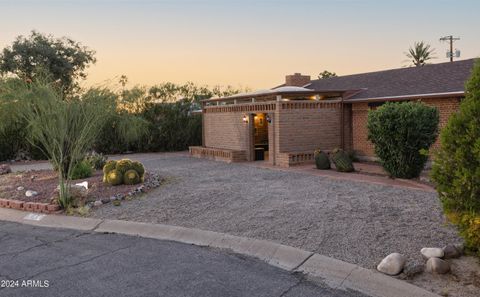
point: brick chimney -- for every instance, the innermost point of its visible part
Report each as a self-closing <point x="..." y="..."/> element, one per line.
<point x="297" y="80"/>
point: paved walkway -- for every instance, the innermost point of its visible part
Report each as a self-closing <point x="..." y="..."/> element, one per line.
<point x="73" y="263"/>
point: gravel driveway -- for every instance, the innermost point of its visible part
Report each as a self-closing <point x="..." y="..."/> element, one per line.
<point x="356" y="222"/>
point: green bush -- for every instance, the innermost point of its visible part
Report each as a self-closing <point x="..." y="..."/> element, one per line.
<point x="96" y="160"/>
<point x="321" y="160"/>
<point x="131" y="177"/>
<point x="402" y="134"/>
<point x="114" y="177"/>
<point x="82" y="169"/>
<point x="456" y="167"/>
<point x="342" y="161"/>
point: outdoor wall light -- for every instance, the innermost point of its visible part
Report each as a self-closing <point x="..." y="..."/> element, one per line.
<point x="269" y="119"/>
<point x="245" y="119"/>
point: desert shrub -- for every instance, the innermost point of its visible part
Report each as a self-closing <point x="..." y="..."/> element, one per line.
<point x="131" y="177"/>
<point x="82" y="169"/>
<point x="96" y="160"/>
<point x="322" y="161"/>
<point x="172" y="126"/>
<point x="402" y="134"/>
<point x="114" y="177"/>
<point x="342" y="160"/>
<point x="456" y="166"/>
<point x="64" y="128"/>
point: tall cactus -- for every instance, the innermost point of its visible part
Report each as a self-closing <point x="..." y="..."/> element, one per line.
<point x="321" y="160"/>
<point x="342" y="161"/>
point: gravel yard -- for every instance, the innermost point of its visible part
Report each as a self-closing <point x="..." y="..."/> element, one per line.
<point x="356" y="222"/>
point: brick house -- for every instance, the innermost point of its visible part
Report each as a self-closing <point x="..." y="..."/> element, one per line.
<point x="284" y="125"/>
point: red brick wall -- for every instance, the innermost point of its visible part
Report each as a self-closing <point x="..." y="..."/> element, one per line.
<point x="363" y="147"/>
<point x="225" y="130"/>
<point x="309" y="129"/>
<point x="297" y="126"/>
<point x="446" y="108"/>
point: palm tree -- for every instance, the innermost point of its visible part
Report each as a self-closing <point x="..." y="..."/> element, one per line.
<point x="420" y="53"/>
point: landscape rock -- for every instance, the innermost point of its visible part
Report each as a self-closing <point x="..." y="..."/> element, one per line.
<point x="5" y="169"/>
<point x="437" y="265"/>
<point x="392" y="264"/>
<point x="20" y="188"/>
<point x="450" y="252"/>
<point x="97" y="203"/>
<point x="30" y="193"/>
<point x="413" y="268"/>
<point x="83" y="184"/>
<point x="428" y="253"/>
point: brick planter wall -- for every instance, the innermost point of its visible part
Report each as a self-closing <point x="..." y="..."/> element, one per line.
<point x="29" y="206"/>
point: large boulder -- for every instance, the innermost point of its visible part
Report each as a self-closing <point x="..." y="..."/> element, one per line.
<point x="413" y="268"/>
<point x="437" y="265"/>
<point x="428" y="253"/>
<point x="450" y="251"/>
<point x="392" y="264"/>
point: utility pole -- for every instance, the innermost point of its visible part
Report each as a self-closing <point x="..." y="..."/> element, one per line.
<point x="451" y="39"/>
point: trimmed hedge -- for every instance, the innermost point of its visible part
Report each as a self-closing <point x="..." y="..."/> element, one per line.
<point x="402" y="134"/>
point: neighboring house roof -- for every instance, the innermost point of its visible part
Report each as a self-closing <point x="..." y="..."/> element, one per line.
<point x="428" y="81"/>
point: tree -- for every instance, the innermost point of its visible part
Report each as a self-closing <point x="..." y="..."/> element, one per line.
<point x="456" y="169"/>
<point x="326" y="74"/>
<point x="65" y="59"/>
<point x="402" y="134"/>
<point x="420" y="53"/>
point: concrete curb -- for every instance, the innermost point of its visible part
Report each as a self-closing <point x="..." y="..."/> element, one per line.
<point x="335" y="273"/>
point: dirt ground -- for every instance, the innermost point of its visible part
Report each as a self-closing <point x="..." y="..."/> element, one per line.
<point x="45" y="182"/>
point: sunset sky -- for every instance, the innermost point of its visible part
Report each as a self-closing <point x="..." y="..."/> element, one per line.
<point x="244" y="42"/>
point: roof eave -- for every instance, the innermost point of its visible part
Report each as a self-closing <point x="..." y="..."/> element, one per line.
<point x="407" y="97"/>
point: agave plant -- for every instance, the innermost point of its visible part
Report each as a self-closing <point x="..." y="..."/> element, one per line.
<point x="420" y="53"/>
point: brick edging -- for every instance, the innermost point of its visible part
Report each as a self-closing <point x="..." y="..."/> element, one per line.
<point x="29" y="206"/>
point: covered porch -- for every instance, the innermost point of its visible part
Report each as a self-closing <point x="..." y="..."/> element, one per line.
<point x="282" y="126"/>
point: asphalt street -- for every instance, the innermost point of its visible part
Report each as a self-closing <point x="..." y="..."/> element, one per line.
<point x="37" y="261"/>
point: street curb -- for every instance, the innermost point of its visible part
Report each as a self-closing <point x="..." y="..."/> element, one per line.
<point x="333" y="272"/>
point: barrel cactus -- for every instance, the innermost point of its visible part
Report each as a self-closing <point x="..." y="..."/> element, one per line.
<point x="124" y="165"/>
<point x="131" y="177"/>
<point x="342" y="161"/>
<point x="321" y="160"/>
<point x="114" y="177"/>
<point x="109" y="166"/>
<point x="138" y="167"/>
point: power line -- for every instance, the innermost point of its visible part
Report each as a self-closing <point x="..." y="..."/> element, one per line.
<point x="451" y="39"/>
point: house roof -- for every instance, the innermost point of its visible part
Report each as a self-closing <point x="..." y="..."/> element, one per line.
<point x="284" y="91"/>
<point x="447" y="79"/>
